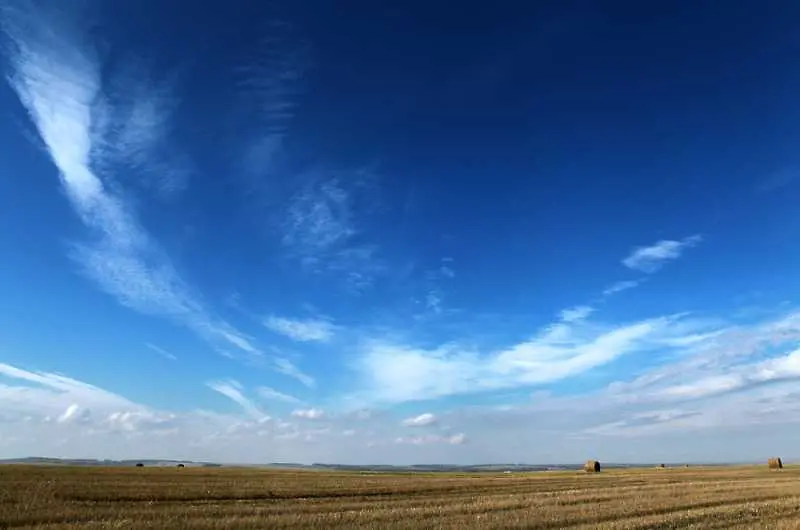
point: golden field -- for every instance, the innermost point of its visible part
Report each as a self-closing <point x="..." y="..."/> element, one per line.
<point x="61" y="498"/>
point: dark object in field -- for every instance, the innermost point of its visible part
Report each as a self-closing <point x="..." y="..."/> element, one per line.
<point x="181" y="465"/>
<point x="775" y="463"/>
<point x="139" y="464"/>
<point x="661" y="466"/>
<point x="592" y="466"/>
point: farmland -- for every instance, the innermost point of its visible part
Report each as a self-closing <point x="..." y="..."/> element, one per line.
<point x="61" y="498"/>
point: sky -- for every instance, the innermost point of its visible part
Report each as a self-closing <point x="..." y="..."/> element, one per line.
<point x="399" y="232"/>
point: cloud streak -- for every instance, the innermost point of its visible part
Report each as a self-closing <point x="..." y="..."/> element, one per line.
<point x="427" y="439"/>
<point x="313" y="330"/>
<point x="621" y="286"/>
<point x="55" y="73"/>
<point x="309" y="414"/>
<point x="392" y="372"/>
<point x="322" y="229"/>
<point x="651" y="258"/>
<point x="396" y="373"/>
<point x="274" y="395"/>
<point x="726" y="390"/>
<point x="233" y="390"/>
<point x="162" y="352"/>
<point x="423" y="420"/>
<point x="576" y="314"/>
<point x="288" y="368"/>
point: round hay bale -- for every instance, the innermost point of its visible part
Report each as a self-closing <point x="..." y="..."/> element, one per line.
<point x="775" y="463"/>
<point x="591" y="466"/>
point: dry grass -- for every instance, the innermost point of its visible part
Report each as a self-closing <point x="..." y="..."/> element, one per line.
<point x="61" y="498"/>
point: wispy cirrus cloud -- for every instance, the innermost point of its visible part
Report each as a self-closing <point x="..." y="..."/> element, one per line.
<point x="576" y="314"/>
<point x="311" y="330"/>
<point x="778" y="180"/>
<point x="446" y="269"/>
<point x="319" y="218"/>
<point x="397" y="373"/>
<point x="621" y="286"/>
<point x="644" y="419"/>
<point x="55" y="72"/>
<point x="135" y="130"/>
<point x="434" y="283"/>
<point x="60" y="383"/>
<point x="162" y="352"/>
<point x="234" y="391"/>
<point x="274" y="395"/>
<point x="287" y="367"/>
<point x="54" y="397"/>
<point x="320" y="209"/>
<point x="651" y="258"/>
<point x="322" y="229"/>
<point x="269" y="80"/>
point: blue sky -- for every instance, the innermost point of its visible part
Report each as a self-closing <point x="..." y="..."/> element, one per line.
<point x="399" y="233"/>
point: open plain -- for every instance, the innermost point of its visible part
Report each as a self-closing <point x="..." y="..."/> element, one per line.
<point x="61" y="498"/>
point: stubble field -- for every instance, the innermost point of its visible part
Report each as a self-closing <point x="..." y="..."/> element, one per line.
<point x="61" y="498"/>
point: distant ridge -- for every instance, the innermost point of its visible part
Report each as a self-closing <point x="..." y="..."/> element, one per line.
<point x="384" y="468"/>
<point x="41" y="460"/>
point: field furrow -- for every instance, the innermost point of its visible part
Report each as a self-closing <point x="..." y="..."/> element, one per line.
<point x="62" y="498"/>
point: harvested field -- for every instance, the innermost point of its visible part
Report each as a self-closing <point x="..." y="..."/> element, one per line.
<point x="61" y="498"/>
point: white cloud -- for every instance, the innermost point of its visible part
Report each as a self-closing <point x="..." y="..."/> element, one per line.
<point x="433" y="302"/>
<point x="397" y="373"/>
<point x="651" y="258"/>
<point x="319" y="217"/>
<point x="423" y="420"/>
<point x="141" y="420"/>
<point x="73" y="413"/>
<point x="274" y="395"/>
<point x="162" y="352"/>
<point x="64" y="390"/>
<point x="313" y="330"/>
<point x="621" y="286"/>
<point x="782" y="369"/>
<point x="287" y="367"/>
<point x="322" y="225"/>
<point x="726" y="397"/>
<point x="576" y="314"/>
<point x="426" y="439"/>
<point x="55" y="72"/>
<point x="234" y="391"/>
<point x="309" y="414"/>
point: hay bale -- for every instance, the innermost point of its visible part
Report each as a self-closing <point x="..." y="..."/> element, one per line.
<point x="592" y="466"/>
<point x="775" y="463"/>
